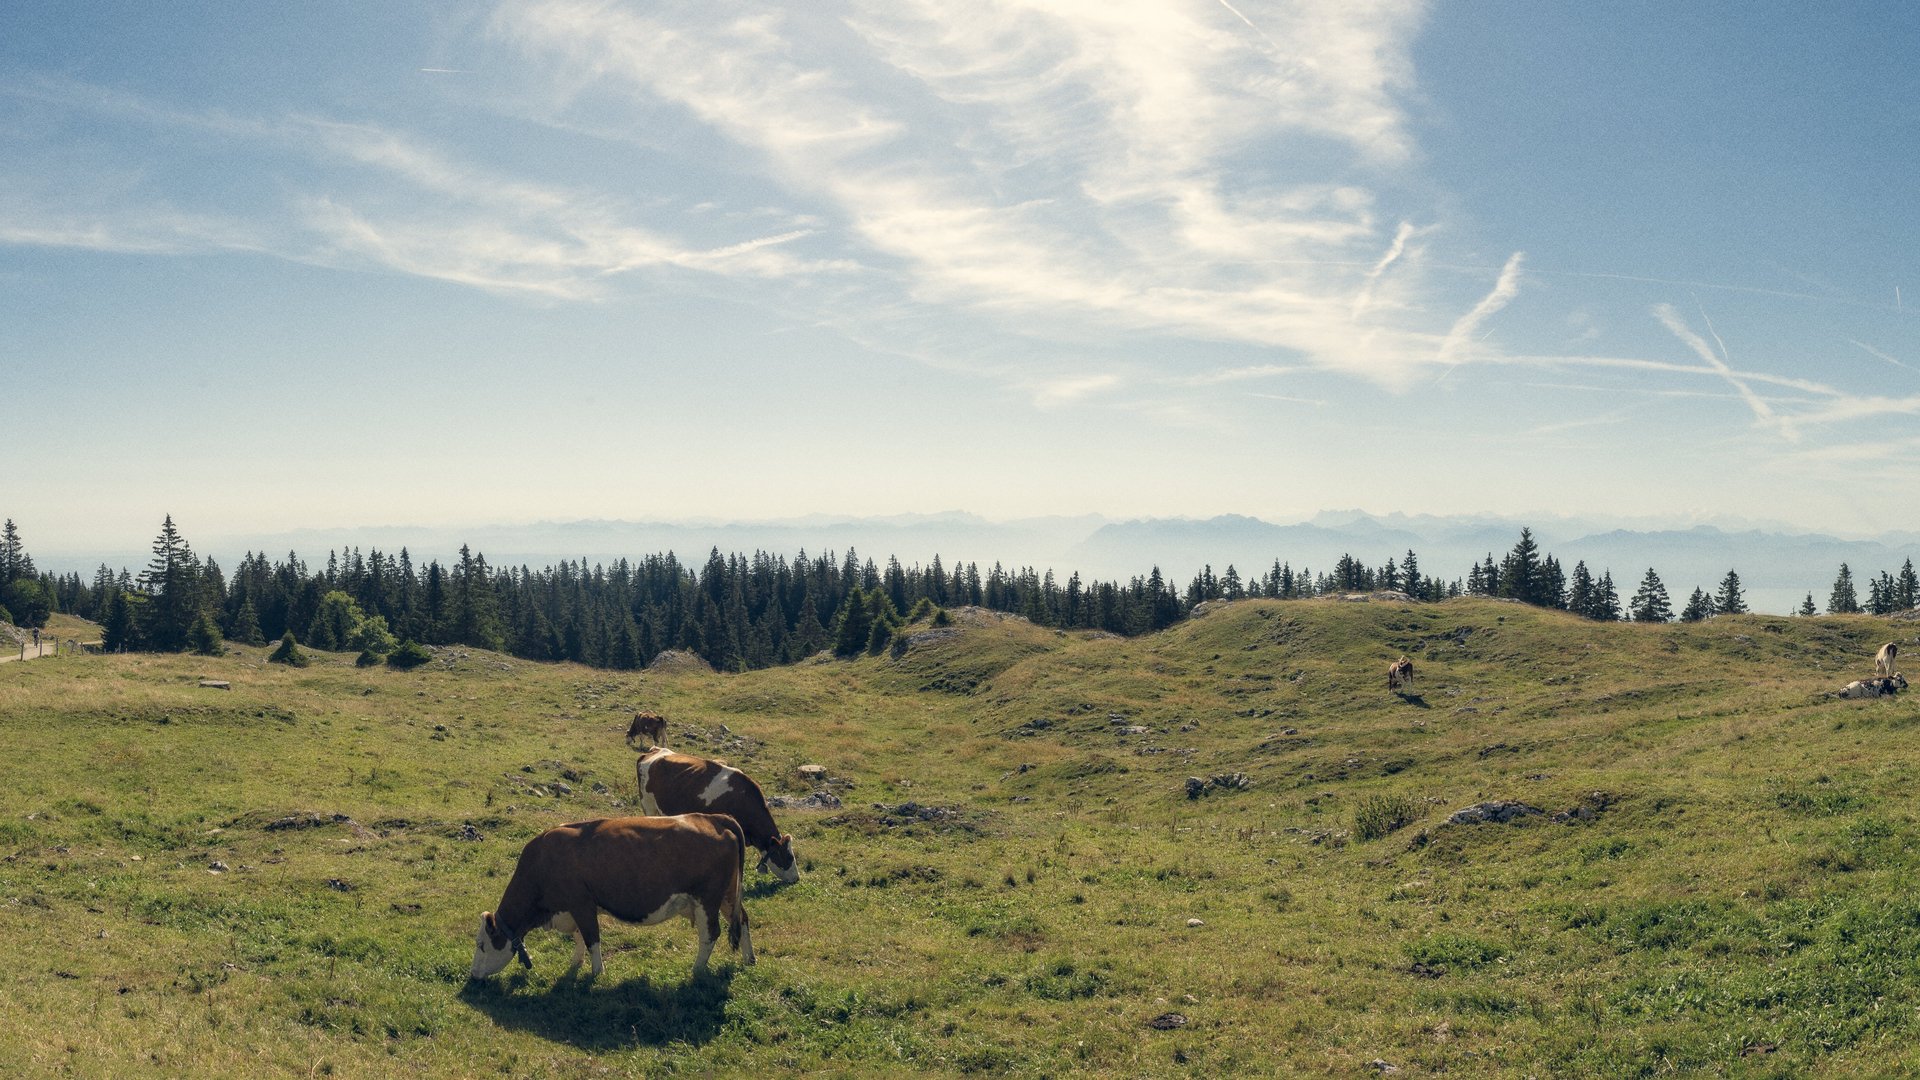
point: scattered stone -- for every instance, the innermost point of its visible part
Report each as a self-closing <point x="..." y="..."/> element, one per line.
<point x="337" y="885"/>
<point x="1426" y="971"/>
<point x="1193" y="924"/>
<point x="1382" y="1067"/>
<point x="468" y="832"/>
<point x="1135" y="729"/>
<point x="819" y="800"/>
<point x="1496" y="811"/>
<point x="1167" y="1021"/>
<point x="215" y="684"/>
<point x="216" y="867"/>
<point x="812" y="773"/>
<point x="1198" y="786"/>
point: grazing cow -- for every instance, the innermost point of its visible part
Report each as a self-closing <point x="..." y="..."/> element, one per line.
<point x="1399" y="674"/>
<point x="673" y="783"/>
<point x="650" y="726"/>
<point x="1883" y="660"/>
<point x="1873" y="688"/>
<point x="639" y="869"/>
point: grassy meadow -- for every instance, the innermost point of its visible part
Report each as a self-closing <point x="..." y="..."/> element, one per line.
<point x="282" y="879"/>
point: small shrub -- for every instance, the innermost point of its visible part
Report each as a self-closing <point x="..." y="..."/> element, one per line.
<point x="367" y="658"/>
<point x="923" y="609"/>
<point x="1379" y="815"/>
<point x="288" y="653"/>
<point x="408" y="655"/>
<point x="941" y="618"/>
<point x="1452" y="950"/>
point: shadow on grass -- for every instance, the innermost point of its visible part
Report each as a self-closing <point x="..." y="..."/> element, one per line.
<point x="591" y="1015"/>
<point x="763" y="888"/>
<point x="1415" y="700"/>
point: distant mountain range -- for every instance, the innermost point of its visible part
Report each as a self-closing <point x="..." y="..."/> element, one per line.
<point x="1777" y="565"/>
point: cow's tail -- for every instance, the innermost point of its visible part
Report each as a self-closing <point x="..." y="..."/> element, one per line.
<point x="736" y="875"/>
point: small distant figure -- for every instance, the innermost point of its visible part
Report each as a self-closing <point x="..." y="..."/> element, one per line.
<point x="36" y="637"/>
<point x="1400" y="674"/>
<point x="1883" y="660"/>
<point x="650" y="726"/>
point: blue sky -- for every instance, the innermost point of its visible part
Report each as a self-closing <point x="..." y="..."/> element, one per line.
<point x="343" y="264"/>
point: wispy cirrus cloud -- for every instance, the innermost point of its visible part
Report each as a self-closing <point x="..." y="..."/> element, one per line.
<point x="1056" y="165"/>
<point x="374" y="197"/>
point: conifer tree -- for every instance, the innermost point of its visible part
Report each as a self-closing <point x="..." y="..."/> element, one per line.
<point x="1580" y="592"/>
<point x="1807" y="608"/>
<point x="853" y="624"/>
<point x="1906" y="591"/>
<point x="1730" y="600"/>
<point x="1843" y="600"/>
<point x="1650" y="603"/>
<point x="1606" y="599"/>
<point x="1699" y="607"/>
<point x="1519" y="573"/>
<point x="1410" y="571"/>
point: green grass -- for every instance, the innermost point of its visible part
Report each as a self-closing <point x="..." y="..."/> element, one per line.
<point x="1738" y="898"/>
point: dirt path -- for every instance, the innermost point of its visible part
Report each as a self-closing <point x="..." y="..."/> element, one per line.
<point x="27" y="651"/>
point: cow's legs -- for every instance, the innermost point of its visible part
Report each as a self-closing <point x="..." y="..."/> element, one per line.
<point x="746" y="939"/>
<point x="586" y="938"/>
<point x="706" y="921"/>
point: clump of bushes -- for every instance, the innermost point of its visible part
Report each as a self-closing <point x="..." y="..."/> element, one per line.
<point x="1379" y="815"/>
<point x="288" y="653"/>
<point x="408" y="655"/>
<point x="367" y="658"/>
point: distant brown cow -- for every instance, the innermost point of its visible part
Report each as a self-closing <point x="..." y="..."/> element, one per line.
<point x="673" y="783"/>
<point x="639" y="870"/>
<point x="1883" y="660"/>
<point x="1400" y="674"/>
<point x="650" y="726"/>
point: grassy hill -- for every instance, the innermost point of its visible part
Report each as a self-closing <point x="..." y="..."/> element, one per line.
<point x="283" y="878"/>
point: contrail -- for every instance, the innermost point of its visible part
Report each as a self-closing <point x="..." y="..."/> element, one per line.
<point x="1250" y="26"/>
<point x="1876" y="353"/>
<point x="1503" y="291"/>
<point x="1716" y="366"/>
<point x="1365" y="298"/>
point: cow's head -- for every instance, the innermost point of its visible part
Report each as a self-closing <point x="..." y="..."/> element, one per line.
<point x="493" y="947"/>
<point x="1897" y="682"/>
<point x="779" y="857"/>
<point x="648" y="726"/>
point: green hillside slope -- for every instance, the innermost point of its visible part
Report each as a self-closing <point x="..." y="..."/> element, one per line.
<point x="1048" y="844"/>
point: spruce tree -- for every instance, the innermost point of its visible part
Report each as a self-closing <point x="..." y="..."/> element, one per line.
<point x="1520" y="572"/>
<point x="1580" y="593"/>
<point x="1606" y="599"/>
<point x="1699" y="606"/>
<point x="1807" y="608"/>
<point x="1906" y="593"/>
<point x="852" y="625"/>
<point x="1730" y="600"/>
<point x="1843" y="600"/>
<point x="1650" y="603"/>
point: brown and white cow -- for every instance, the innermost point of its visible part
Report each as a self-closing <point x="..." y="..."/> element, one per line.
<point x="1399" y="674"/>
<point x="1883" y="660"/>
<point x="1873" y="688"/>
<point x="673" y="783"/>
<point x="650" y="726"/>
<point x="638" y="869"/>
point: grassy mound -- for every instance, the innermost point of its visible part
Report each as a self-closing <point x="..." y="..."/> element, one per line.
<point x="283" y="878"/>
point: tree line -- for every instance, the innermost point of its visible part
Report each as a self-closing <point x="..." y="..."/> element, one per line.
<point x="741" y="612"/>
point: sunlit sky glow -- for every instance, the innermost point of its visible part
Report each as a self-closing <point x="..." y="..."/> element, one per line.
<point x="334" y="264"/>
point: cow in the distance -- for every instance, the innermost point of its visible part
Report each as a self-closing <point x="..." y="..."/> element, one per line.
<point x="1873" y="688"/>
<point x="1400" y="674"/>
<point x="1883" y="660"/>
<point x="639" y="870"/>
<point x="673" y="783"/>
<point x="650" y="726"/>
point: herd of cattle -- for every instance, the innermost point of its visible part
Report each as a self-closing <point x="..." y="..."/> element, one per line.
<point x="687" y="856"/>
